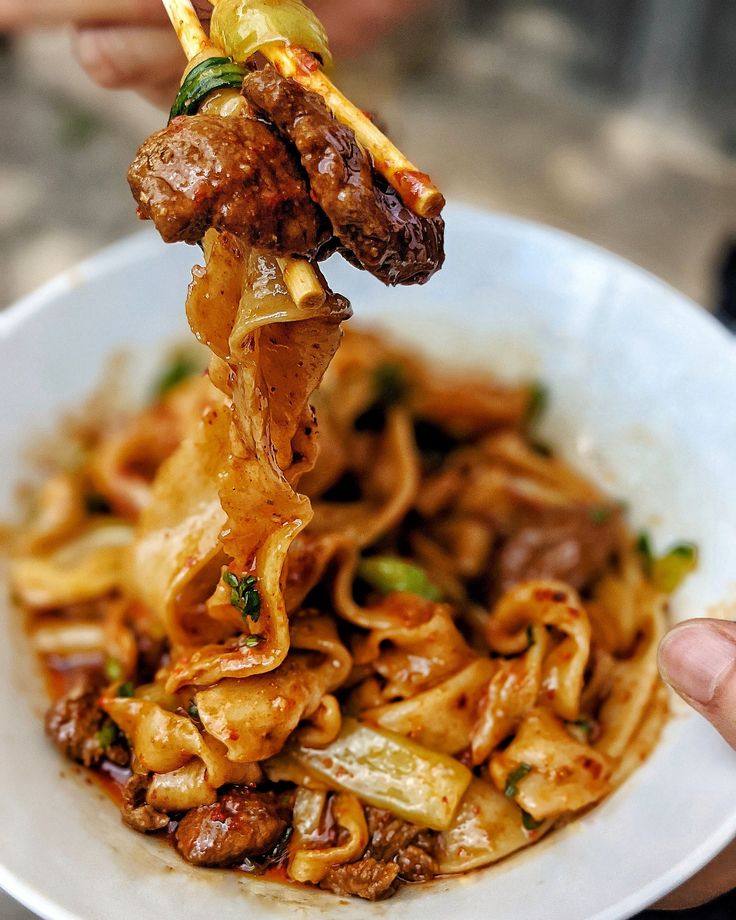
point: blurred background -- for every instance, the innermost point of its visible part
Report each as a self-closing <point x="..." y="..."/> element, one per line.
<point x="614" y="121"/>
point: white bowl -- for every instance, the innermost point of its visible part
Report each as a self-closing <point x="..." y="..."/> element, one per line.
<point x="644" y="390"/>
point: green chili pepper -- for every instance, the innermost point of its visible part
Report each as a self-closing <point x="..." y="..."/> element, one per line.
<point x="212" y="74"/>
<point x="113" y="670"/>
<point x="107" y="735"/>
<point x="388" y="574"/>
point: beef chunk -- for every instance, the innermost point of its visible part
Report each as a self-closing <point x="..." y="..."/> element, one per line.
<point x="233" y="174"/>
<point x="409" y="846"/>
<point x="75" y="723"/>
<point x="368" y="217"/>
<point x="387" y="833"/>
<point x="368" y="878"/>
<point x="416" y="862"/>
<point x="570" y="544"/>
<point x="239" y="824"/>
<point x="136" y="812"/>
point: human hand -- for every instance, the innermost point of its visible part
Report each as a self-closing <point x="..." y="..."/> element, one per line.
<point x="129" y="44"/>
<point x="698" y="659"/>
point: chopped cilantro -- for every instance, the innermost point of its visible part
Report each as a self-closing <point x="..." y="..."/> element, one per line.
<point x="193" y="711"/>
<point x="125" y="690"/>
<point x="251" y="641"/>
<point x="244" y="595"/>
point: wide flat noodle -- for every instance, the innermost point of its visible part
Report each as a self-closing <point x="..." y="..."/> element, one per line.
<point x="241" y="507"/>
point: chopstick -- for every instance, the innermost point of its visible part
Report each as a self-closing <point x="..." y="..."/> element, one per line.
<point x="416" y="189"/>
<point x="300" y="278"/>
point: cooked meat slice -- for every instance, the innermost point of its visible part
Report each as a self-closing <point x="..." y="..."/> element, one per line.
<point x="233" y="174"/>
<point x="387" y="833"/>
<point x="367" y="216"/>
<point x="136" y="812"/>
<point x="75" y="723"/>
<point x="368" y="878"/>
<point x="416" y="862"/>
<point x="409" y="846"/>
<point x="569" y="544"/>
<point x="239" y="824"/>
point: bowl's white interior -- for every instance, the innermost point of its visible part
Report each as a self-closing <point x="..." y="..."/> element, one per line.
<point x="643" y="387"/>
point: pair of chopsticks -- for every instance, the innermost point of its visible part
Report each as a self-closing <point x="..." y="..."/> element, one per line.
<point x="415" y="188"/>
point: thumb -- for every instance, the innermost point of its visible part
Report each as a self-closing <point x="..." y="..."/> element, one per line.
<point x="698" y="660"/>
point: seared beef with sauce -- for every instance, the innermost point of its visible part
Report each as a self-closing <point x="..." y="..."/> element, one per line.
<point x="232" y="174"/>
<point x="367" y="216"/>
<point x="569" y="544"/>
<point x="368" y="878"/>
<point x="78" y="727"/>
<point x="395" y="840"/>
<point x="239" y="824"/>
<point x="136" y="812"/>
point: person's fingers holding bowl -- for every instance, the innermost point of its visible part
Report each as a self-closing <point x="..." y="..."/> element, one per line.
<point x="698" y="660"/>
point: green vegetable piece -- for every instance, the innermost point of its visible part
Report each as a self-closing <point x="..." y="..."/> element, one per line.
<point x="251" y="641"/>
<point x="600" y="514"/>
<point x="667" y="572"/>
<point x="644" y="548"/>
<point x="388" y="574"/>
<point x="389" y="771"/>
<point x="244" y="595"/>
<point x="113" y="670"/>
<point x="193" y="711"/>
<point x="182" y="367"/>
<point x="107" y="735"/>
<point x="580" y="729"/>
<point x="391" y="385"/>
<point x="208" y="76"/>
<point x="530" y="637"/>
<point x="670" y="570"/>
<point x="126" y="690"/>
<point x="528" y="822"/>
<point x="515" y="778"/>
<point x="538" y="402"/>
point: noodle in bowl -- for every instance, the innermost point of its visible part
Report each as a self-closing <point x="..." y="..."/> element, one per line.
<point x="641" y="386"/>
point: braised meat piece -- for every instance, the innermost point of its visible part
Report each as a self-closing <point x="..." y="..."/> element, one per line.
<point x="239" y="824"/>
<point x="409" y="846"/>
<point x="367" y="216"/>
<point x="136" y="812"/>
<point x="569" y="544"/>
<point x="368" y="878"/>
<point x="232" y="174"/>
<point x="82" y="731"/>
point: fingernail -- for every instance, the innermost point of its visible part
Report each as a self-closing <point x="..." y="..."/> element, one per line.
<point x="695" y="658"/>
